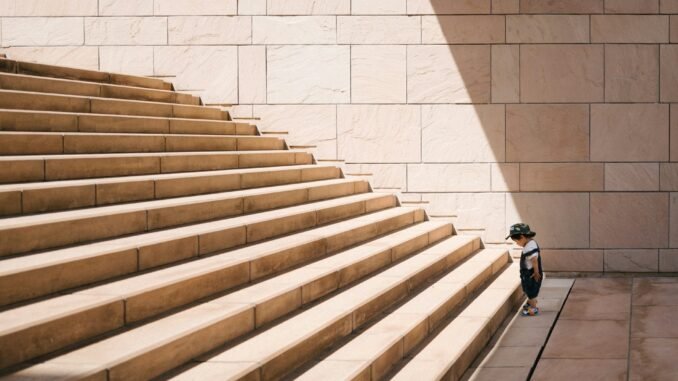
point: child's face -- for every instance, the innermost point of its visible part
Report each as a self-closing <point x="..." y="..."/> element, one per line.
<point x="520" y="241"/>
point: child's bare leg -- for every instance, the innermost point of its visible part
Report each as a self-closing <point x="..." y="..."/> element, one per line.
<point x="532" y="302"/>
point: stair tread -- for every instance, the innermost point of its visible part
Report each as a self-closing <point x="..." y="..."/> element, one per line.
<point x="108" y="135"/>
<point x="142" y="154"/>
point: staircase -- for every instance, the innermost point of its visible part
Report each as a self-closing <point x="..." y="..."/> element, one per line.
<point x="144" y="235"/>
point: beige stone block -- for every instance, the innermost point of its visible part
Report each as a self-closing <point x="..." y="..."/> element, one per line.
<point x="209" y="30"/>
<point x="630" y="132"/>
<point x="573" y="260"/>
<point x="561" y="6"/>
<point x="378" y="7"/>
<point x="505" y="74"/>
<point x="41" y="31"/>
<point x="674" y="29"/>
<point x="383" y="175"/>
<point x="448" y="6"/>
<point x="632" y="176"/>
<point x="463" y="29"/>
<point x="632" y="260"/>
<point x="545" y="133"/>
<point x="473" y="211"/>
<point x="126" y="31"/>
<point x="669" y="73"/>
<point x="668" y="175"/>
<point x="378" y="30"/>
<point x="191" y="63"/>
<point x="673" y="240"/>
<point x="283" y="30"/>
<point x="190" y="7"/>
<point x="82" y="57"/>
<point x="631" y="6"/>
<point x="63" y="198"/>
<point x="309" y="7"/>
<point x="463" y="133"/>
<point x="448" y="74"/>
<point x="308" y="74"/>
<point x="561" y="220"/>
<point x="547" y="29"/>
<point x="629" y="29"/>
<point x="252" y="74"/>
<point x="629" y="220"/>
<point x="378" y="74"/>
<point x="33" y="8"/>
<point x="668" y="6"/>
<point x="561" y="73"/>
<point x="306" y="125"/>
<point x="631" y="73"/>
<point x="251" y="7"/>
<point x="379" y="133"/>
<point x="137" y="60"/>
<point x="561" y="177"/>
<point x="115" y="193"/>
<point x="505" y="177"/>
<point x="448" y="177"/>
<point x="505" y="6"/>
<point x="125" y="8"/>
<point x="10" y="203"/>
<point x="668" y="260"/>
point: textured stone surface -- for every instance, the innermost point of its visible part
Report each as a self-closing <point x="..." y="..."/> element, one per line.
<point x="473" y="211"/>
<point x="653" y="358"/>
<point x="668" y="6"/>
<point x="668" y="260"/>
<point x="84" y="57"/>
<point x="573" y="260"/>
<point x="629" y="220"/>
<point x="307" y="125"/>
<point x="631" y="6"/>
<point x="668" y="173"/>
<point x="569" y="230"/>
<point x="630" y="29"/>
<point x="547" y="29"/>
<point x="631" y="73"/>
<point x="378" y="74"/>
<point x="251" y="7"/>
<point x="505" y="74"/>
<point x="294" y="30"/>
<point x="126" y="31"/>
<point x="544" y="133"/>
<point x="463" y="133"/>
<point x="632" y="260"/>
<point x="31" y="31"/>
<point x="505" y="6"/>
<point x="190" y="7"/>
<point x="252" y="74"/>
<point x="631" y="176"/>
<point x="563" y="177"/>
<point x="505" y="177"/>
<point x="136" y="60"/>
<point x="645" y="132"/>
<point x="448" y="177"/>
<point x="448" y="7"/>
<point x="35" y="8"/>
<point x="448" y="74"/>
<point x="209" y="30"/>
<point x="673" y="240"/>
<point x="561" y="73"/>
<point x="125" y="8"/>
<point x="462" y="29"/>
<point x="383" y="175"/>
<point x="378" y="30"/>
<point x="378" y="7"/>
<point x="669" y="73"/>
<point x="379" y="134"/>
<point x="308" y="7"/>
<point x="571" y="339"/>
<point x="561" y="6"/>
<point x="674" y="132"/>
<point x="580" y="369"/>
<point x="308" y="74"/>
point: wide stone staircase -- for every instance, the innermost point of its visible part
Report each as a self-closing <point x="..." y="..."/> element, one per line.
<point x="143" y="235"/>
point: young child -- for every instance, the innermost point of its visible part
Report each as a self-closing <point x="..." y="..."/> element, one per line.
<point x="531" y="272"/>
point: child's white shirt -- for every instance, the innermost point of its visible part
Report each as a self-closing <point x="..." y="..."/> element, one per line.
<point x="529" y="247"/>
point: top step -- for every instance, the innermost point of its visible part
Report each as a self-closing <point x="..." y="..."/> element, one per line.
<point x="30" y="68"/>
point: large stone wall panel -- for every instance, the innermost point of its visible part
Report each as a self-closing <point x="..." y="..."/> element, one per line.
<point x="251" y="7"/>
<point x="378" y="7"/>
<point x="301" y="30"/>
<point x="629" y="29"/>
<point x="632" y="6"/>
<point x="674" y="29"/>
<point x="561" y="177"/>
<point x="209" y="30"/>
<point x="673" y="240"/>
<point x="378" y="30"/>
<point x="505" y="74"/>
<point x="463" y="133"/>
<point x="505" y="6"/>
<point x="308" y="74"/>
<point x="448" y="6"/>
<point x="669" y="73"/>
<point x="42" y="31"/>
<point x="448" y="74"/>
<point x="448" y="177"/>
<point x="630" y="132"/>
<point x="33" y="8"/>
<point x="378" y="74"/>
<point x="573" y="260"/>
<point x="463" y="29"/>
<point x="644" y="260"/>
<point x="547" y="29"/>
<point x="674" y="132"/>
<point x="561" y="73"/>
<point x="379" y="133"/>
<point x="631" y="73"/>
<point x="192" y="7"/>
<point x="308" y="7"/>
<point x="126" y="31"/>
<point x="390" y="176"/>
<point x="137" y="60"/>
<point x="84" y="57"/>
<point x="505" y="177"/>
<point x="561" y="6"/>
<point x="668" y="6"/>
<point x="252" y="74"/>
<point x="125" y="8"/>
<point x="632" y="177"/>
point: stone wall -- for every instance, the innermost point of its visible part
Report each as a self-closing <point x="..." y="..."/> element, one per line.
<point x="554" y="112"/>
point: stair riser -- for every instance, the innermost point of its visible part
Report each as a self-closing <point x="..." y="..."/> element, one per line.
<point x="48" y="169"/>
<point x="34" y="144"/>
<point x="64" y="122"/>
<point x="56" y="234"/>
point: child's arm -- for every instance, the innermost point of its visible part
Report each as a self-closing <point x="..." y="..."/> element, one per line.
<point x="535" y="265"/>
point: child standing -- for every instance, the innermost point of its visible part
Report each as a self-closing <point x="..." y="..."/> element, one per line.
<point x="531" y="272"/>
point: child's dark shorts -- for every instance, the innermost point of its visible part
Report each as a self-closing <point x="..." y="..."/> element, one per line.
<point x="530" y="285"/>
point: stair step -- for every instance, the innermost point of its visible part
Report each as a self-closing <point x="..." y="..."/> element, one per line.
<point x="44" y="231"/>
<point x="153" y="293"/>
<point x="53" y="71"/>
<point x="373" y="353"/>
<point x="16" y="169"/>
<point x="30" y="83"/>
<point x="25" y="100"/>
<point x="30" y="198"/>
<point x="279" y="350"/>
<point x="49" y="121"/>
<point x="451" y="352"/>
<point x="48" y="143"/>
